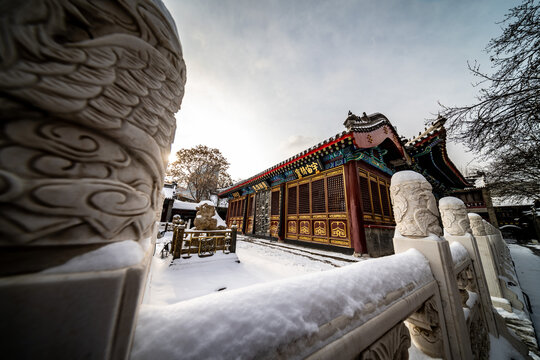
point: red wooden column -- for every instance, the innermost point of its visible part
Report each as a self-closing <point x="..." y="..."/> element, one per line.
<point x="356" y="216"/>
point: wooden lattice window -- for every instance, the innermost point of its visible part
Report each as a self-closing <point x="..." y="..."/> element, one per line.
<point x="291" y="200"/>
<point x="242" y="205"/>
<point x="303" y="199"/>
<point x="366" y="198"/>
<point x="318" y="198"/>
<point x="336" y="194"/>
<point x="274" y="210"/>
<point x="376" y="200"/>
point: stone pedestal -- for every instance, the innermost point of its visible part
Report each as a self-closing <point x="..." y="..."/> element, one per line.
<point x="88" y="92"/>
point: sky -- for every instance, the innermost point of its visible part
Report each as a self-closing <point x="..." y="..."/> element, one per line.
<point x="269" y="79"/>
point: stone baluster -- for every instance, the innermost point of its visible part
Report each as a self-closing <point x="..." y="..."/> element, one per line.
<point x="489" y="261"/>
<point x="457" y="228"/>
<point x="417" y="226"/>
<point x="88" y="101"/>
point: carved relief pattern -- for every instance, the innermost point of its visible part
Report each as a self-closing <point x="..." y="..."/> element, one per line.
<point x="466" y="281"/>
<point x="274" y="228"/>
<point x="291" y="227"/>
<point x="425" y="329"/>
<point x="415" y="209"/>
<point x="392" y="345"/>
<point x="338" y="229"/>
<point x="319" y="228"/>
<point x="477" y="225"/>
<point x="478" y="331"/>
<point x="87" y="119"/>
<point x="454" y="217"/>
<point x="304" y="227"/>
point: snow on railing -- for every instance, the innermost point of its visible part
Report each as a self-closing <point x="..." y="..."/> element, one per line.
<point x="320" y="314"/>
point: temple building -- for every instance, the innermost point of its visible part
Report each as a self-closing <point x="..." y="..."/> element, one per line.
<point x="336" y="193"/>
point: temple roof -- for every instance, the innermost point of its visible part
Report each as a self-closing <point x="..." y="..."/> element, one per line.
<point x="366" y="131"/>
<point x="425" y="153"/>
<point x="428" y="150"/>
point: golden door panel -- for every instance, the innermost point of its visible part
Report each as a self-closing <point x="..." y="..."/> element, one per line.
<point x="319" y="228"/>
<point x="250" y="226"/>
<point x="274" y="228"/>
<point x="291" y="227"/>
<point x="338" y="229"/>
<point x="340" y="242"/>
<point x="320" y="240"/>
<point x="304" y="227"/>
<point x="304" y="238"/>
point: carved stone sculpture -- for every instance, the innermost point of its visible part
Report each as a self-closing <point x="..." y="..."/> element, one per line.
<point x="392" y="345"/>
<point x="477" y="225"/>
<point x="425" y="329"/>
<point x="205" y="217"/>
<point x="454" y="216"/>
<point x="88" y="93"/>
<point x="415" y="209"/>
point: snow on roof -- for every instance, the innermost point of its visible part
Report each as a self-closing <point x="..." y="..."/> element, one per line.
<point x="168" y="192"/>
<point x="271" y="315"/>
<point x="184" y="205"/>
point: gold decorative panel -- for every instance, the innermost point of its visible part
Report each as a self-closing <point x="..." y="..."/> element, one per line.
<point x="340" y="242"/>
<point x="291" y="227"/>
<point x="338" y="229"/>
<point x="319" y="228"/>
<point x="274" y="228"/>
<point x="304" y="227"/>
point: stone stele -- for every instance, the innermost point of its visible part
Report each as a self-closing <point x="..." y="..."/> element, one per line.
<point x="88" y="93"/>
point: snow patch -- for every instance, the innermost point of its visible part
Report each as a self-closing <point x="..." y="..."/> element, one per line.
<point x="451" y="201"/>
<point x="407" y="176"/>
<point x="459" y="253"/>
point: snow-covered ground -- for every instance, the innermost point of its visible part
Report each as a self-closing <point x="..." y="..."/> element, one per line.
<point x="527" y="264"/>
<point x="173" y="287"/>
<point x="256" y="261"/>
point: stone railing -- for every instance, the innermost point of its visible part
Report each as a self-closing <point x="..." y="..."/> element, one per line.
<point x="185" y="243"/>
<point x="432" y="292"/>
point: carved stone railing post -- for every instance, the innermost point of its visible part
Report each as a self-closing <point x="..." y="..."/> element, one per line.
<point x="489" y="261"/>
<point x="88" y="93"/>
<point x="417" y="226"/>
<point x="457" y="228"/>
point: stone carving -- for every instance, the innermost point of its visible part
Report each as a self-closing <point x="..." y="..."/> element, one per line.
<point x="392" y="345"/>
<point x="466" y="281"/>
<point x="477" y="225"/>
<point x="205" y="217"/>
<point x="479" y="335"/>
<point x="88" y="92"/>
<point x="177" y="220"/>
<point x="454" y="216"/>
<point x="425" y="329"/>
<point x="415" y="209"/>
